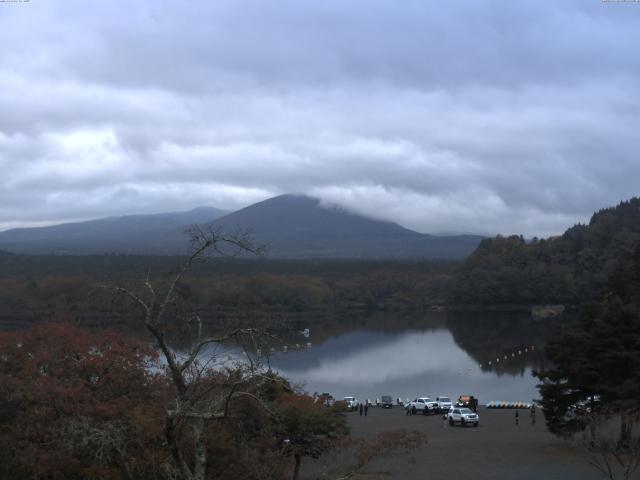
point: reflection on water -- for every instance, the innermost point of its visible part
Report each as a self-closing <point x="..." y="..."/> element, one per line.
<point x="445" y="360"/>
<point x="437" y="354"/>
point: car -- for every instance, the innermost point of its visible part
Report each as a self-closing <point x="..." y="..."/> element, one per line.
<point x="463" y="416"/>
<point x="424" y="405"/>
<point x="352" y="403"/>
<point x="326" y="399"/>
<point x="444" y="404"/>
<point x="386" y="401"/>
<point x="468" y="401"/>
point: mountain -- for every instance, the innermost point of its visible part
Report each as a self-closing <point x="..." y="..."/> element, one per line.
<point x="293" y="226"/>
<point x="161" y="233"/>
<point x="297" y="226"/>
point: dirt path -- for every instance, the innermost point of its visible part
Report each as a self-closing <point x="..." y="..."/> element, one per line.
<point x="496" y="450"/>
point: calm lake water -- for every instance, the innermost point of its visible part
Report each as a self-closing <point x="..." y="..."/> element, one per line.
<point x="485" y="354"/>
<point x="449" y="358"/>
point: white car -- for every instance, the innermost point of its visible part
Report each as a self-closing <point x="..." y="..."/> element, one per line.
<point x="463" y="416"/>
<point x="424" y="405"/>
<point x="352" y="403"/>
<point x="444" y="404"/>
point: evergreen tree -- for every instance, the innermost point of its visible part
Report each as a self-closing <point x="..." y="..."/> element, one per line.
<point x="597" y="362"/>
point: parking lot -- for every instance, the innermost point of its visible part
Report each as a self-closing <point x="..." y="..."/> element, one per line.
<point x="497" y="449"/>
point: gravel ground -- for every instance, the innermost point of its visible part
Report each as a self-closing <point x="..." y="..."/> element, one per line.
<point x="495" y="450"/>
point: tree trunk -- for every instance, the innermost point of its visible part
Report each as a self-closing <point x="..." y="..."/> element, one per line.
<point x="200" y="461"/>
<point x="296" y="469"/>
<point x="625" y="432"/>
<point x="176" y="453"/>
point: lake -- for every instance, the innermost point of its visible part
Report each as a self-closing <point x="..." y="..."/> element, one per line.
<point x="488" y="355"/>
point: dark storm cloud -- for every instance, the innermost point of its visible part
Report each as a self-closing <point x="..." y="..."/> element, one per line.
<point x="479" y="116"/>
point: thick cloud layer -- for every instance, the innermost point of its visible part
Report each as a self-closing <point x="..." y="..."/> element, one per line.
<point x="465" y="116"/>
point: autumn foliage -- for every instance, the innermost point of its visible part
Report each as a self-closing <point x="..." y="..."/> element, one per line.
<point x="81" y="405"/>
<point x="78" y="405"/>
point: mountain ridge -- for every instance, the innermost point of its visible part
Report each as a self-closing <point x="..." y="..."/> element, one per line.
<point x="114" y="234"/>
<point x="295" y="226"/>
<point x="311" y="229"/>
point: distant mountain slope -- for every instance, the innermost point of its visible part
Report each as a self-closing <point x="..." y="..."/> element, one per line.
<point x="572" y="268"/>
<point x="161" y="233"/>
<point x="300" y="227"/>
<point x="294" y="227"/>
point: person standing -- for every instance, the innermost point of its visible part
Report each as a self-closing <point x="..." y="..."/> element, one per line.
<point x="533" y="414"/>
<point x="517" y="416"/>
<point x="366" y="408"/>
<point x="361" y="409"/>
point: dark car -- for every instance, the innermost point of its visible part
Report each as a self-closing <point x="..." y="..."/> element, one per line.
<point x="386" y="401"/>
<point x="468" y="401"/>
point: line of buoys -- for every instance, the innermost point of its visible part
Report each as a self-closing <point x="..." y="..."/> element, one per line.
<point x="288" y="348"/>
<point x="513" y="355"/>
<point x="503" y="404"/>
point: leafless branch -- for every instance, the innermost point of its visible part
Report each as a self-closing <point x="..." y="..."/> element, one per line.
<point x="194" y="402"/>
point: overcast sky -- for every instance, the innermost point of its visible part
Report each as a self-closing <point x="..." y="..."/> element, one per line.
<point x="445" y="116"/>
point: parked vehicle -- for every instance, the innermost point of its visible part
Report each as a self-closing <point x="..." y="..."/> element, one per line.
<point x="444" y="404"/>
<point x="326" y="399"/>
<point x="387" y="401"/>
<point x="463" y="416"/>
<point x="352" y="403"/>
<point x="468" y="401"/>
<point x="424" y="405"/>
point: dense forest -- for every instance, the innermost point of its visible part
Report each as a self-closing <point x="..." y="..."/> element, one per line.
<point x="36" y="287"/>
<point x="569" y="269"/>
<point x="509" y="271"/>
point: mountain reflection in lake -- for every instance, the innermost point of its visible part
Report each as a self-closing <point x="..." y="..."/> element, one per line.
<point x="417" y="362"/>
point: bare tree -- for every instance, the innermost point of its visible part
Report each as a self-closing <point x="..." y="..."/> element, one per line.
<point x="611" y="443"/>
<point x="163" y="308"/>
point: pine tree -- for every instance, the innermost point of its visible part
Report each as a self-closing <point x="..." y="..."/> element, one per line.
<point x="597" y="362"/>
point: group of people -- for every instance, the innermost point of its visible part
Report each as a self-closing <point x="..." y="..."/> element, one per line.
<point x="364" y="409"/>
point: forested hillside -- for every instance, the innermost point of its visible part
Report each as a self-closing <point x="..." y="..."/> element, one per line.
<point x="35" y="287"/>
<point x="568" y="269"/>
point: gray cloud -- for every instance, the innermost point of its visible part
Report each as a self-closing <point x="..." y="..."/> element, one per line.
<point x="473" y="116"/>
